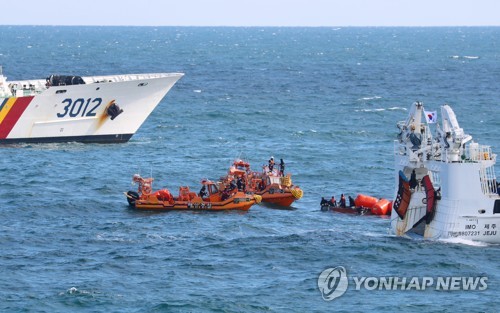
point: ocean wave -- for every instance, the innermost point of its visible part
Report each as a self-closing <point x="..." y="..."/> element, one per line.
<point x="463" y="241"/>
<point x="78" y="292"/>
<point x="369" y="98"/>
<point x="397" y="109"/>
<point x="469" y="57"/>
<point x="371" y="110"/>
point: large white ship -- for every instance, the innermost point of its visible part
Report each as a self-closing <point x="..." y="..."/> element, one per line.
<point x="99" y="109"/>
<point x="445" y="185"/>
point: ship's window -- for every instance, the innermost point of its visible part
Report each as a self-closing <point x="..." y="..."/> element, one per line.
<point x="98" y="88"/>
<point x="142" y="84"/>
<point x="496" y="209"/>
<point x="60" y="91"/>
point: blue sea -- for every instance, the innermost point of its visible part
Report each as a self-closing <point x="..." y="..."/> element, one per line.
<point x="326" y="100"/>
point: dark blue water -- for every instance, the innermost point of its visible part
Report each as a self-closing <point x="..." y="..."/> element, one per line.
<point x="326" y="100"/>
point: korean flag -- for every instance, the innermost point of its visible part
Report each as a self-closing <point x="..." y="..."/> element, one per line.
<point x="430" y="116"/>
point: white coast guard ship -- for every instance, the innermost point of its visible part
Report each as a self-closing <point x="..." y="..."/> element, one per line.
<point x="103" y="109"/>
<point x="445" y="185"/>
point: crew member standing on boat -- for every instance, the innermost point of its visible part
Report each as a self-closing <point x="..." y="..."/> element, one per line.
<point x="413" y="180"/>
<point x="282" y="167"/>
<point x="351" y="202"/>
<point x="240" y="184"/>
<point x="342" y="201"/>
<point x="271" y="164"/>
<point x="203" y="192"/>
<point x="232" y="185"/>
<point x="262" y="184"/>
<point x="333" y="202"/>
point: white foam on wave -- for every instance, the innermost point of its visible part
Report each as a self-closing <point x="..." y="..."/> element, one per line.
<point x="371" y="110"/>
<point x="470" y="57"/>
<point x="197" y="90"/>
<point x="376" y="235"/>
<point x="397" y="108"/>
<point x="466" y="242"/>
<point x="370" y="98"/>
<point x="75" y="291"/>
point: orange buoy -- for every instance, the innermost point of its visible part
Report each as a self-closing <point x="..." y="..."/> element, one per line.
<point x="382" y="207"/>
<point x="365" y="201"/>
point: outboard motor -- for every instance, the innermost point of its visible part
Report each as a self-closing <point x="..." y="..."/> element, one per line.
<point x="132" y="196"/>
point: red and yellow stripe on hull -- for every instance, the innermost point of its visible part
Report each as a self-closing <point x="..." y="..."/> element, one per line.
<point x="11" y="110"/>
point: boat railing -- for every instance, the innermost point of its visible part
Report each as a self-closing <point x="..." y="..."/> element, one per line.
<point x="473" y="152"/>
<point x="25" y="88"/>
<point x="122" y="78"/>
<point x="22" y="88"/>
<point x="477" y="152"/>
<point x="488" y="181"/>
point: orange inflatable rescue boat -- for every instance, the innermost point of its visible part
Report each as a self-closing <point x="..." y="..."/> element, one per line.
<point x="273" y="186"/>
<point x="210" y="198"/>
<point x="362" y="205"/>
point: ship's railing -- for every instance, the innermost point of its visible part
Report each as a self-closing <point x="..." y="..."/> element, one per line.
<point x="488" y="181"/>
<point x="122" y="78"/>
<point x="473" y="152"/>
<point x="27" y="87"/>
<point x="477" y="152"/>
<point x="482" y="153"/>
<point x="32" y="87"/>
